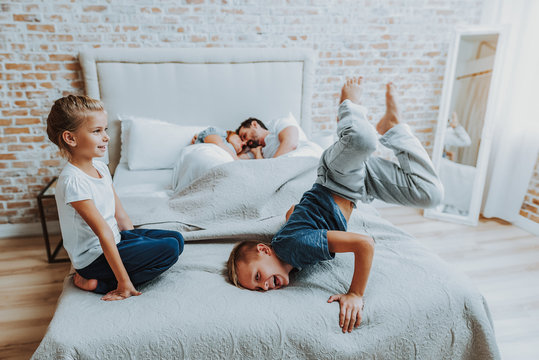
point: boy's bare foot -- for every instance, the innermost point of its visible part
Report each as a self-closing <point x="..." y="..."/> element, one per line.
<point x="352" y="90"/>
<point x="83" y="283"/>
<point x="391" y="117"/>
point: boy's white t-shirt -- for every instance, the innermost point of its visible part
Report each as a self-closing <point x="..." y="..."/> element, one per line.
<point x="275" y="127"/>
<point x="80" y="242"/>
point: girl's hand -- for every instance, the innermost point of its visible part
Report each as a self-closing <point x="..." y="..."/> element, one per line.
<point x="257" y="151"/>
<point x="351" y="310"/>
<point x="122" y="292"/>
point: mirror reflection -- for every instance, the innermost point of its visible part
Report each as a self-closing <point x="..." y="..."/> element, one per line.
<point x="465" y="120"/>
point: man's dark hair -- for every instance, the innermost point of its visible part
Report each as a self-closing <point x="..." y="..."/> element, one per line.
<point x="247" y="124"/>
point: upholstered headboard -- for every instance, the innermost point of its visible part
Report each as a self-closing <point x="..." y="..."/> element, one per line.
<point x="220" y="87"/>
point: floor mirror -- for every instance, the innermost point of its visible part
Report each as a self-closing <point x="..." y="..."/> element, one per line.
<point x="465" y="121"/>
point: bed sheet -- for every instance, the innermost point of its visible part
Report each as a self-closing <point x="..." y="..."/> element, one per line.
<point x="129" y="182"/>
<point x="417" y="307"/>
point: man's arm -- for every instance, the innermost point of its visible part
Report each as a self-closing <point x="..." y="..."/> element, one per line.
<point x="351" y="303"/>
<point x="288" y="140"/>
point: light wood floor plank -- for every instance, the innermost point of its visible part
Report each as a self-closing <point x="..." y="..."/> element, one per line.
<point x="30" y="288"/>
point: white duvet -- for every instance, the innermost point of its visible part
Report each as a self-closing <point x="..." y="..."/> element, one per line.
<point x="196" y="160"/>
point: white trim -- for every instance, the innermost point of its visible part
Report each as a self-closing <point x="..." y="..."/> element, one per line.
<point x="527" y="224"/>
<point x="17" y="230"/>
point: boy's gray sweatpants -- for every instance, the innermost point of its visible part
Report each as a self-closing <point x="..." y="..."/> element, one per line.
<point x="348" y="169"/>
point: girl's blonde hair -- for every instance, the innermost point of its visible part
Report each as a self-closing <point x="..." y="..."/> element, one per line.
<point x="68" y="114"/>
<point x="229" y="134"/>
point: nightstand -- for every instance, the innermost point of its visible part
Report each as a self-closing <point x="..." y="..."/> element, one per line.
<point x="48" y="193"/>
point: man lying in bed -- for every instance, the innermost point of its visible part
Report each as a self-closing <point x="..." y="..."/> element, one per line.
<point x="280" y="137"/>
<point x="315" y="228"/>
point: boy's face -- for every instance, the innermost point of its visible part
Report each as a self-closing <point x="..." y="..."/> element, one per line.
<point x="263" y="272"/>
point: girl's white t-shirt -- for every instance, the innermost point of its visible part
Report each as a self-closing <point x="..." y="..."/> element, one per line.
<point x="80" y="242"/>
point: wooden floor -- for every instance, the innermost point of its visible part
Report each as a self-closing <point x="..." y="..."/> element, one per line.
<point x="502" y="260"/>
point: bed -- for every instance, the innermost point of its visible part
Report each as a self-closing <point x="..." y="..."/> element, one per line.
<point x="417" y="306"/>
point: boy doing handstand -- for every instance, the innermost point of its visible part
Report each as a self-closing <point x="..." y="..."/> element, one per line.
<point x="315" y="228"/>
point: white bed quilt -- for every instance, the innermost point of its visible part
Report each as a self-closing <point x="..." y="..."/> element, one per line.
<point x="416" y="306"/>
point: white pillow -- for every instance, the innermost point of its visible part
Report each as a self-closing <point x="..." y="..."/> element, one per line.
<point x="125" y="132"/>
<point x="194" y="161"/>
<point x="153" y="144"/>
<point x="125" y="129"/>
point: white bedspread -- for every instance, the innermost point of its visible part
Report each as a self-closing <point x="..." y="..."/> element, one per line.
<point x="417" y="307"/>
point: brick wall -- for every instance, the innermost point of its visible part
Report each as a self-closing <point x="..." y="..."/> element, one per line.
<point x="402" y="41"/>
<point x="530" y="207"/>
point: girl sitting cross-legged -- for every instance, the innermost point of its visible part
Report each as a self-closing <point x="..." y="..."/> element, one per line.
<point x="109" y="256"/>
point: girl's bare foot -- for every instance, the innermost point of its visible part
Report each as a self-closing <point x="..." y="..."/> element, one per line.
<point x="352" y="90"/>
<point x="83" y="283"/>
<point x="391" y="117"/>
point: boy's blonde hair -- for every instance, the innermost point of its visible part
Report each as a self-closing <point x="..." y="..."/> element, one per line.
<point x="242" y="251"/>
<point x="68" y="114"/>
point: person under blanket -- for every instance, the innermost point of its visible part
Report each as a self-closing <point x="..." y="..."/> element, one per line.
<point x="109" y="256"/>
<point x="315" y="229"/>
<point x="226" y="140"/>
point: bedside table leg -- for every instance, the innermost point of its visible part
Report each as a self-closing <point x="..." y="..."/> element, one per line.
<point x="55" y="252"/>
<point x="51" y="257"/>
<point x="44" y="228"/>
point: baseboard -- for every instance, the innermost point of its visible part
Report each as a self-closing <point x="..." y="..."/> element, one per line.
<point x="18" y="230"/>
<point x="527" y="224"/>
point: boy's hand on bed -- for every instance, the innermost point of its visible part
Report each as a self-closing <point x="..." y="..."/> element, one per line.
<point x="351" y="310"/>
<point x="122" y="292"/>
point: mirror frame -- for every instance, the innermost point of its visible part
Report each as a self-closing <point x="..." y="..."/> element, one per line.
<point x="488" y="122"/>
